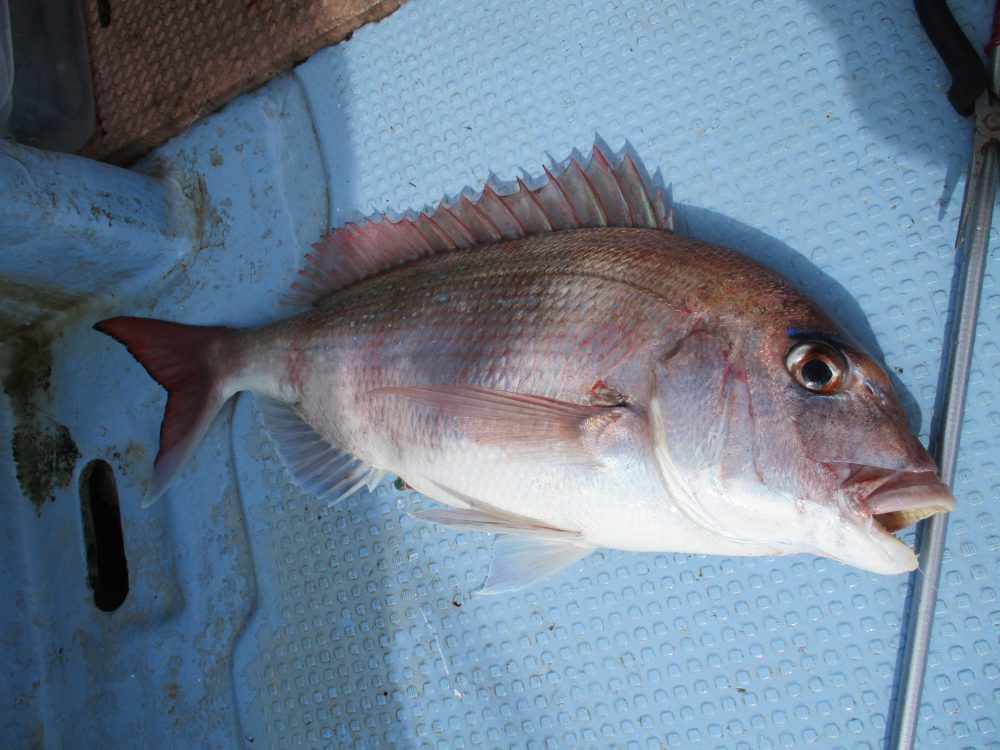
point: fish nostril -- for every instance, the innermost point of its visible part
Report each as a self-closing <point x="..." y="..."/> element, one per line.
<point x="104" y="542"/>
<point x="877" y="392"/>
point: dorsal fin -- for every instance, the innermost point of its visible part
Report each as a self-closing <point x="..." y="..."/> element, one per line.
<point x="602" y="194"/>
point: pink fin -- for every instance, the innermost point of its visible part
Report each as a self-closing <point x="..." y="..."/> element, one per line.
<point x="520" y="561"/>
<point x="178" y="357"/>
<point x="521" y="424"/>
<point x="318" y="467"/>
<point x="494" y="521"/>
<point x="526" y="549"/>
<point x="605" y="192"/>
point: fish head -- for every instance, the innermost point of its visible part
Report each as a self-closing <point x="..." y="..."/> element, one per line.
<point x="792" y="439"/>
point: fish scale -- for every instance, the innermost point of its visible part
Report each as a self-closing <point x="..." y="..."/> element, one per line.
<point x="609" y="383"/>
<point x="514" y="325"/>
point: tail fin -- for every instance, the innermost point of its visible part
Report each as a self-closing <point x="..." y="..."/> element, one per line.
<point x="181" y="359"/>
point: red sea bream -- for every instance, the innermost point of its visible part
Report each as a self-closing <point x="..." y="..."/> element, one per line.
<point x="555" y="365"/>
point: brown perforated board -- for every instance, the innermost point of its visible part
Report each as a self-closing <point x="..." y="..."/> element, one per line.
<point x="158" y="66"/>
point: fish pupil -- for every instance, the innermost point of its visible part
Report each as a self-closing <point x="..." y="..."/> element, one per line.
<point x="816" y="373"/>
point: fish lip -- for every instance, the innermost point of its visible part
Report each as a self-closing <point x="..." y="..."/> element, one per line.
<point x="895" y="499"/>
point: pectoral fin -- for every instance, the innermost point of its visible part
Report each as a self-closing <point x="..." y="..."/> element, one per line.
<point x="522" y="425"/>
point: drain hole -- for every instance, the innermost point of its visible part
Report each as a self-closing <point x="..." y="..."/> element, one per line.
<point x="107" y="569"/>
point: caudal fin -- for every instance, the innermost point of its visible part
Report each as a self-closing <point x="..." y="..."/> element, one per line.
<point x="182" y="359"/>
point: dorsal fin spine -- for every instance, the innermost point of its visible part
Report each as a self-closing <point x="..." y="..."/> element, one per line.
<point x="606" y="169"/>
<point x="469" y="236"/>
<point x="602" y="212"/>
<point x="562" y="192"/>
<point x="662" y="219"/>
<point x="444" y="222"/>
<point x="507" y="208"/>
<point x="534" y="199"/>
<point x="632" y="218"/>
<point x="414" y="240"/>
<point x="644" y="201"/>
<point x="499" y="201"/>
<point x="426" y="226"/>
<point x="474" y="209"/>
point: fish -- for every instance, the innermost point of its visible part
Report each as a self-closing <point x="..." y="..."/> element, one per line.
<point x="554" y="364"/>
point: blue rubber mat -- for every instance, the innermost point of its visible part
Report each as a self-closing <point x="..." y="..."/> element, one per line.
<point x="814" y="136"/>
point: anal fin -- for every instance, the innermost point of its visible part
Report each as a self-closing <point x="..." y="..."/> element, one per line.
<point x="318" y="467"/>
<point x="525" y="550"/>
<point x="521" y="560"/>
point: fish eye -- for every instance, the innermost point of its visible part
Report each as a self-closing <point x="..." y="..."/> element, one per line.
<point x="817" y="366"/>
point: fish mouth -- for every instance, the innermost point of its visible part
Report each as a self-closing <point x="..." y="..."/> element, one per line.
<point x="894" y="500"/>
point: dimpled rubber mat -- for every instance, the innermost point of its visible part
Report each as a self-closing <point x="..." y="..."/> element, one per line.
<point x="814" y="136"/>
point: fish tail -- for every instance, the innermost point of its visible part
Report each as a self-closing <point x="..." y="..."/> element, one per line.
<point x="185" y="360"/>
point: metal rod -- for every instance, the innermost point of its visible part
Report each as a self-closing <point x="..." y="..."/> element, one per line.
<point x="944" y="448"/>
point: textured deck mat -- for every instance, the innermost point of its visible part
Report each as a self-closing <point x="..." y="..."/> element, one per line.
<point x="814" y="136"/>
<point x="158" y="66"/>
